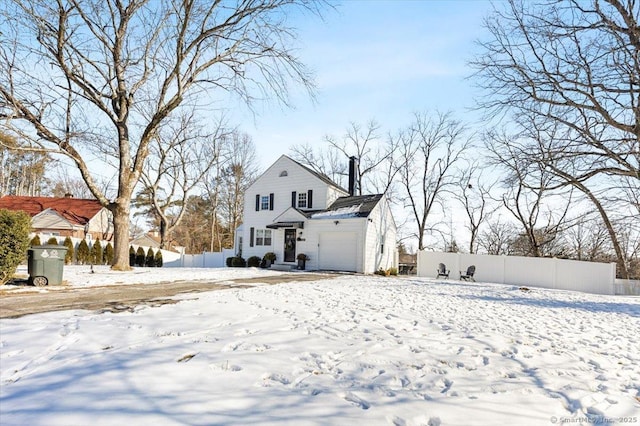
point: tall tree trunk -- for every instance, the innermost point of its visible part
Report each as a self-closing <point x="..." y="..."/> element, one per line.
<point x="623" y="271"/>
<point x="120" y="213"/>
<point x="163" y="233"/>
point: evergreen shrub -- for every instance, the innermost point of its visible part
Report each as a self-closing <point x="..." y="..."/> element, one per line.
<point x="238" y="262"/>
<point x="96" y="253"/>
<point x="14" y="241"/>
<point x="158" y="259"/>
<point x="254" y="261"/>
<point x="132" y="256"/>
<point x="68" y="257"/>
<point x="140" y="257"/>
<point x="82" y="256"/>
<point x="150" y="260"/>
<point x="108" y="254"/>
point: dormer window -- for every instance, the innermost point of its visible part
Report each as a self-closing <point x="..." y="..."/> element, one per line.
<point x="284" y="173"/>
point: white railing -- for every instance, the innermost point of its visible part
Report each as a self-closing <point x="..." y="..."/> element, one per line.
<point x="562" y="274"/>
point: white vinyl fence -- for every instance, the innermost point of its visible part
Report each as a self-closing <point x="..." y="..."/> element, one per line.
<point x="206" y="259"/>
<point x="588" y="277"/>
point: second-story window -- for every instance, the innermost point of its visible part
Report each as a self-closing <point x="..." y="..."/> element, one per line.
<point x="302" y="200"/>
<point x="264" y="202"/>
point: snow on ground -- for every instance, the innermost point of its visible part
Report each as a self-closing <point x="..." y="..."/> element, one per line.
<point x="368" y="349"/>
<point x="82" y="276"/>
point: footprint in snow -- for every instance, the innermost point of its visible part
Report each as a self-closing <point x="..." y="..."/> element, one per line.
<point x="275" y="377"/>
<point x="225" y="366"/>
<point x="355" y="400"/>
<point x="447" y="385"/>
<point x="397" y="421"/>
<point x="434" y="421"/>
<point x="231" y="347"/>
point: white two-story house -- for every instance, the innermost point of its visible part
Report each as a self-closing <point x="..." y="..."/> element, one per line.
<point x="290" y="209"/>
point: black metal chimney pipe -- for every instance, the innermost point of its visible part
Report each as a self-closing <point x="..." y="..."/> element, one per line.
<point x="353" y="170"/>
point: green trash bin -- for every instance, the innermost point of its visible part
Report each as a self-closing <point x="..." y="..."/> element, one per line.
<point x="45" y="264"/>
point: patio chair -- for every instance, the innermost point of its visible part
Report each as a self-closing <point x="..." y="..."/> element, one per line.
<point x="468" y="276"/>
<point x="442" y="271"/>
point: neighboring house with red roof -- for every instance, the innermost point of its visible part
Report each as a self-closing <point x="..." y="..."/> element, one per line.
<point x="64" y="216"/>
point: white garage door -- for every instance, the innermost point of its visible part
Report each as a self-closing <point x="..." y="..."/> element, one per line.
<point x="338" y="251"/>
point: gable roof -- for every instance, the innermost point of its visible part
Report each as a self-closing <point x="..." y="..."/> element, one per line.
<point x="345" y="207"/>
<point x="78" y="211"/>
<point x="320" y="176"/>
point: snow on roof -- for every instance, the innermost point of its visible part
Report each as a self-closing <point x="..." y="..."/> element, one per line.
<point x="347" y="207"/>
<point x="342" y="213"/>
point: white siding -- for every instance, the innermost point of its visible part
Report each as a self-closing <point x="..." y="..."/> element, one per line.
<point x="101" y="222"/>
<point x="338" y="251"/>
<point x="362" y="252"/>
<point x="270" y="182"/>
<point x="312" y="235"/>
<point x="50" y="219"/>
<point x="380" y="230"/>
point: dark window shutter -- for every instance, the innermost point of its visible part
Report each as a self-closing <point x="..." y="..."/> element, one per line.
<point x="271" y="201"/>
<point x="251" y="237"/>
<point x="257" y="202"/>
<point x="293" y="199"/>
<point x="310" y="198"/>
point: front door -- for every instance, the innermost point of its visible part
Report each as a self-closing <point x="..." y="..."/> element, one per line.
<point x="289" y="245"/>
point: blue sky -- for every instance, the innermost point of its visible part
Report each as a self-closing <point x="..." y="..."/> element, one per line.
<point x="381" y="60"/>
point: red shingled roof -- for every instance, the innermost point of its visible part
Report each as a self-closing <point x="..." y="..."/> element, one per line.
<point x="76" y="210"/>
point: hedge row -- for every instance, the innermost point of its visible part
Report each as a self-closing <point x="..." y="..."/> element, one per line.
<point x="148" y="259"/>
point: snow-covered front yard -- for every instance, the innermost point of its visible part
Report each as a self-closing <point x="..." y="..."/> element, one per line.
<point x="355" y="349"/>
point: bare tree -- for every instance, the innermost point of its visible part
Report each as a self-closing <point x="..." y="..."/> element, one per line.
<point x="226" y="184"/>
<point x="569" y="74"/>
<point x="588" y="240"/>
<point x="541" y="212"/>
<point x="474" y="196"/>
<point x="497" y="237"/>
<point x="326" y="161"/>
<point x="79" y="77"/>
<point x="428" y="150"/>
<point x="375" y="167"/>
<point x="63" y="183"/>
<point x="363" y="143"/>
<point x="180" y="156"/>
<point x="574" y="63"/>
<point x="21" y="172"/>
